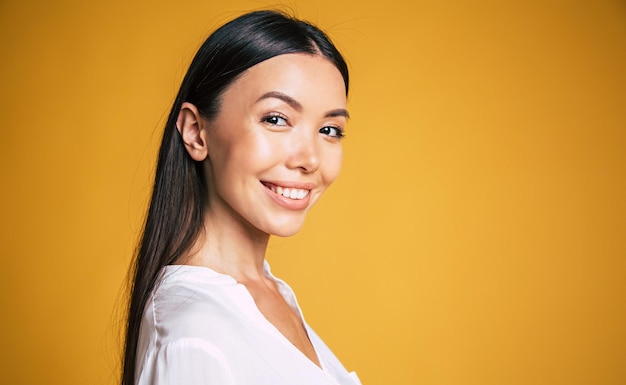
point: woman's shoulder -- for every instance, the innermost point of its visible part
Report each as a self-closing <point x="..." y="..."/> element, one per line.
<point x="194" y="302"/>
<point x="186" y="274"/>
<point x="183" y="286"/>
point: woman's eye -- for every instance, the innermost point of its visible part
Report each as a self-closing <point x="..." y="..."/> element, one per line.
<point x="275" y="120"/>
<point x="331" y="131"/>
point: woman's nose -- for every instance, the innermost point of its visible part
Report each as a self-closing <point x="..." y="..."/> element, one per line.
<point x="304" y="153"/>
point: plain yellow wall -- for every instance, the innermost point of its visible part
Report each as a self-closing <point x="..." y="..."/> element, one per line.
<point x="477" y="234"/>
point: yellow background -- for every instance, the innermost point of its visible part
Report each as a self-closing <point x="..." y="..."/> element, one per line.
<point x="477" y="234"/>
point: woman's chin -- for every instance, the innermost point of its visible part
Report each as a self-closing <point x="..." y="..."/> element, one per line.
<point x="287" y="230"/>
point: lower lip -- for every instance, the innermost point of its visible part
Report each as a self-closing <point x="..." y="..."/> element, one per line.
<point x="288" y="203"/>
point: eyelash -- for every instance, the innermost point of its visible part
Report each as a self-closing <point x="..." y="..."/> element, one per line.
<point x="271" y="119"/>
<point x="340" y="132"/>
<point x="268" y="119"/>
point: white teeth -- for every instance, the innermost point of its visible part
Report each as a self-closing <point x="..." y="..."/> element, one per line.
<point x="291" y="193"/>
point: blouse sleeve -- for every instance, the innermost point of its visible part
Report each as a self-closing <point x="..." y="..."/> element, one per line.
<point x="189" y="361"/>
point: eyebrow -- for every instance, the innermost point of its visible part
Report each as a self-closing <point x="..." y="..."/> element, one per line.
<point x="298" y="107"/>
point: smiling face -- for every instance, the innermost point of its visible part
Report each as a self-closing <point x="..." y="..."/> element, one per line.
<point x="274" y="147"/>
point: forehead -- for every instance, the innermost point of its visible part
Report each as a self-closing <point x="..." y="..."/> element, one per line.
<point x="312" y="80"/>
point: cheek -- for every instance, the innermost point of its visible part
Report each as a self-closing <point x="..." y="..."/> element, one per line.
<point x="248" y="150"/>
<point x="332" y="165"/>
<point x="254" y="152"/>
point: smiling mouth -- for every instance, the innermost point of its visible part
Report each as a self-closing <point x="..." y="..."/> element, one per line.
<point x="288" y="192"/>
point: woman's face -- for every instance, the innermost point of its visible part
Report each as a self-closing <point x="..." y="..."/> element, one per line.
<point x="274" y="147"/>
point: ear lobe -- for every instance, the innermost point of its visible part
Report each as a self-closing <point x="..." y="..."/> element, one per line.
<point x="190" y="126"/>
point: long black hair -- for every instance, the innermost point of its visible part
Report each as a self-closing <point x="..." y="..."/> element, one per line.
<point x="175" y="216"/>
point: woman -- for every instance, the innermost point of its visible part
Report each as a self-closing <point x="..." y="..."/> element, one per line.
<point x="251" y="143"/>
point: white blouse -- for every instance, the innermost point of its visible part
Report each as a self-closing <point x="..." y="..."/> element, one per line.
<point x="202" y="327"/>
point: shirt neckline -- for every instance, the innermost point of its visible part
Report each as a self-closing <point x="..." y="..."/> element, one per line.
<point x="224" y="279"/>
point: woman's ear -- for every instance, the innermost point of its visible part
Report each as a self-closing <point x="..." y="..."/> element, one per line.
<point x="190" y="125"/>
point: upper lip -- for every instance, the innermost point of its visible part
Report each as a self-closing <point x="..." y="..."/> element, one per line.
<point x="290" y="184"/>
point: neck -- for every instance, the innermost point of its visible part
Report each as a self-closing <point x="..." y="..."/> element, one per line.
<point x="229" y="247"/>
